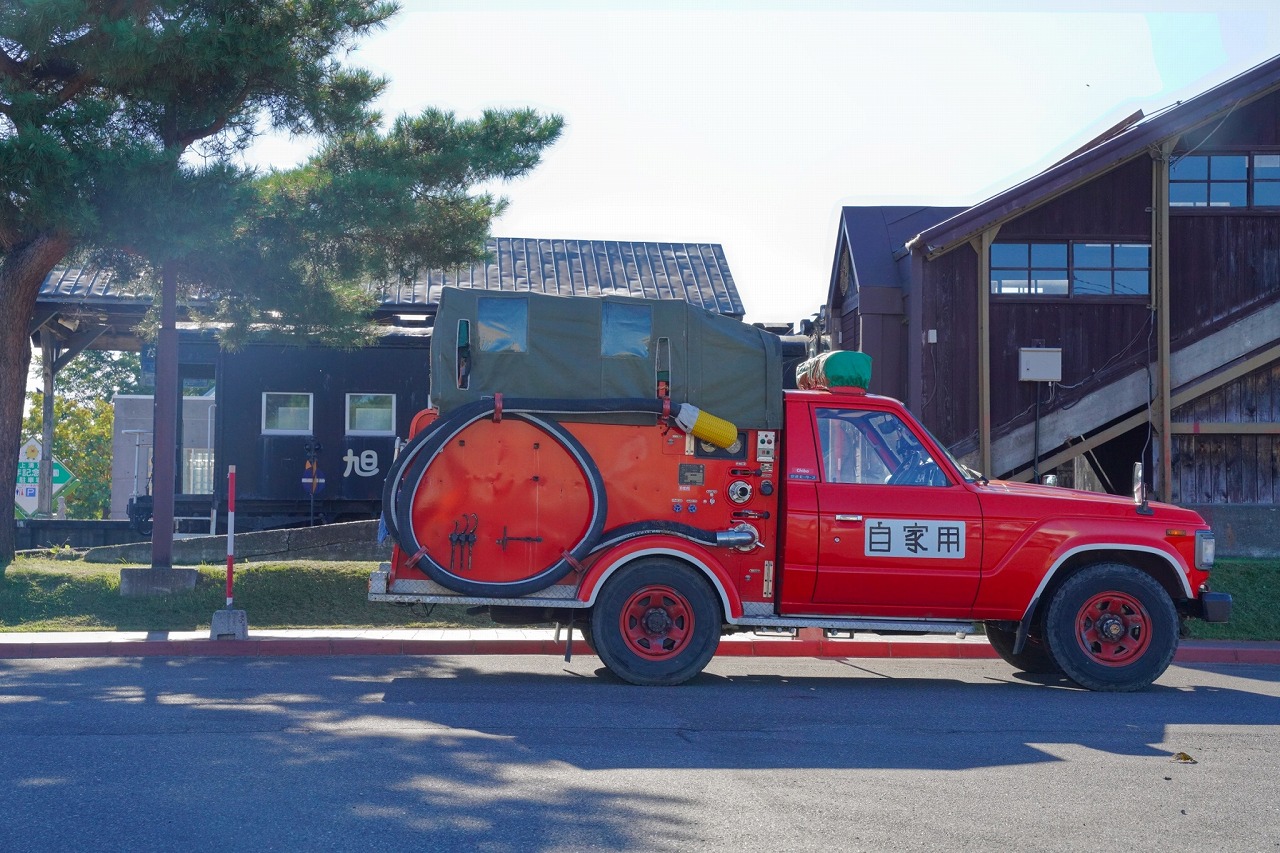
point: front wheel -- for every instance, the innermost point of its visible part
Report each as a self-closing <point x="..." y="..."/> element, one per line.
<point x="1112" y="627"/>
<point x="656" y="622"/>
<point x="1034" y="657"/>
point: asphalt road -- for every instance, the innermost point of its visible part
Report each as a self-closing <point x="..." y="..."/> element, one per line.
<point x="528" y="753"/>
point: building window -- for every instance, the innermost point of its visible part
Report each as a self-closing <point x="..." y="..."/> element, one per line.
<point x="1022" y="269"/>
<point x="286" y="414"/>
<point x="1266" y="180"/>
<point x="1225" y="180"/>
<point x="1070" y="269"/>
<point x="371" y="414"/>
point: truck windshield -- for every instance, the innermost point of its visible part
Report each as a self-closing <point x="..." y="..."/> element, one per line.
<point x="969" y="475"/>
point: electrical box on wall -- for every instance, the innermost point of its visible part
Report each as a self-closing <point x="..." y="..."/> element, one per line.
<point x="1040" y="364"/>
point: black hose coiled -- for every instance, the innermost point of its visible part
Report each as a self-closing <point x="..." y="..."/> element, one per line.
<point x="411" y="465"/>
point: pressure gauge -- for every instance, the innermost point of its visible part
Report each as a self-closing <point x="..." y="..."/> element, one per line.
<point x="732" y="450"/>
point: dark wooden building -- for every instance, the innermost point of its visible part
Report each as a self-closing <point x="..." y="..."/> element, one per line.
<point x="285" y="412"/>
<point x="1150" y="259"/>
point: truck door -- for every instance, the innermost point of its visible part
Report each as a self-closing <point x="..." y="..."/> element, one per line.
<point x="899" y="534"/>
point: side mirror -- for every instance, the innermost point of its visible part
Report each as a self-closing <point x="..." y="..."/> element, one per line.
<point x="1140" y="490"/>
<point x="1049" y="479"/>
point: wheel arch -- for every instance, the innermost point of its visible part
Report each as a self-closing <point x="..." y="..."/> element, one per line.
<point x="1159" y="565"/>
<point x="710" y="571"/>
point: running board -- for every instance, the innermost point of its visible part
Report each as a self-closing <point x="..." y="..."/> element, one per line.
<point x="430" y="592"/>
<point x="917" y="626"/>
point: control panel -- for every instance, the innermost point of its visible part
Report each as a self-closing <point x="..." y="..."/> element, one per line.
<point x="766" y="445"/>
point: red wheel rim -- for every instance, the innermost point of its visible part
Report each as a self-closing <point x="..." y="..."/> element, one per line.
<point x="656" y="622"/>
<point x="1113" y="628"/>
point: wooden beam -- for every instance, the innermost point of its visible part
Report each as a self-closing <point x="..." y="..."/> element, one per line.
<point x="77" y="344"/>
<point x="1184" y="395"/>
<point x="41" y="316"/>
<point x="1259" y="359"/>
<point x="1084" y="446"/>
<point x="982" y="246"/>
<point x="1160" y="276"/>
<point x="1210" y="428"/>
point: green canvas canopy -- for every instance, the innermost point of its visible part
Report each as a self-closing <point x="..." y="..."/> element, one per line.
<point x="586" y="348"/>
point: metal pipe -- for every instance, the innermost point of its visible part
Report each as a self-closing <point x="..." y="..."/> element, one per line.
<point x="739" y="536"/>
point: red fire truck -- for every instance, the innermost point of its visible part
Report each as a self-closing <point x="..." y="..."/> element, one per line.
<point x="717" y="502"/>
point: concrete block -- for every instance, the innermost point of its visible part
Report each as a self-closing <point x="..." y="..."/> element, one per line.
<point x="148" y="583"/>
<point x="229" y="625"/>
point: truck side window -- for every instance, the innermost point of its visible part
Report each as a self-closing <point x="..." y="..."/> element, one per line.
<point x="502" y="325"/>
<point x="625" y="330"/>
<point x="873" y="448"/>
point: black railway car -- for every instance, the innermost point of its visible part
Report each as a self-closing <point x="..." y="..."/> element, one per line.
<point x="312" y="430"/>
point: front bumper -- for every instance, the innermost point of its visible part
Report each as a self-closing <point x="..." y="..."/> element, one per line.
<point x="1215" y="606"/>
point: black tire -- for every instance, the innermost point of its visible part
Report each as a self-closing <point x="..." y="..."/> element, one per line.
<point x="1033" y="658"/>
<point x="1112" y="627"/>
<point x="656" y="622"/>
<point x="587" y="637"/>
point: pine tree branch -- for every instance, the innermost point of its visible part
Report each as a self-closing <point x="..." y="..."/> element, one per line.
<point x="10" y="67"/>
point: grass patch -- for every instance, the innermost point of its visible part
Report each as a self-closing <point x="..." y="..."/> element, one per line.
<point x="1255" y="609"/>
<point x="46" y="594"/>
<point x="61" y="595"/>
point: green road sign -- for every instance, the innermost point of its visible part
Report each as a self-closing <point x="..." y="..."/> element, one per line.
<point x="27" y="492"/>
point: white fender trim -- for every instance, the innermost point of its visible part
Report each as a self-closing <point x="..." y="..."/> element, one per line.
<point x="1106" y="546"/>
<point x="665" y="552"/>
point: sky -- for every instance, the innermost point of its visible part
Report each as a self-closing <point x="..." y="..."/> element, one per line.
<point x="750" y="124"/>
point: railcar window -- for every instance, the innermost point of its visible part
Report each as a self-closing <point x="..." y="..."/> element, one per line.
<point x="371" y="414"/>
<point x="285" y="413"/>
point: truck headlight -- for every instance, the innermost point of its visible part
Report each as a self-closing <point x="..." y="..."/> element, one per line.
<point x="1204" y="549"/>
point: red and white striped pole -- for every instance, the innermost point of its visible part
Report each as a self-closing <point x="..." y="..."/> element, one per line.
<point x="231" y="529"/>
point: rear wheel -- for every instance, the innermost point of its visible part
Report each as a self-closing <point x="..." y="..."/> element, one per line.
<point x="656" y="622"/>
<point x="1033" y="658"/>
<point x="1112" y="627"/>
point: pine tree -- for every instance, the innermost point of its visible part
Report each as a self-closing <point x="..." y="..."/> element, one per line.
<point x="103" y="105"/>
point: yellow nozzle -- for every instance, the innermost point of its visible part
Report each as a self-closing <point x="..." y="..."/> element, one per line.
<point x="705" y="426"/>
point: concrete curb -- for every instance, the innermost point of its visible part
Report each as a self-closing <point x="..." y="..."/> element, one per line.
<point x="310" y="643"/>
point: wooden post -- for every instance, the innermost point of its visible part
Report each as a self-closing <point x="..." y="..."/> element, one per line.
<point x="48" y="355"/>
<point x="1160" y="301"/>
<point x="982" y="246"/>
<point x="164" y="428"/>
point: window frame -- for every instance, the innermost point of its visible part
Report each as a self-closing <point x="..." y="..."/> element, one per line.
<point x="311" y="413"/>
<point x="872" y="445"/>
<point x="346" y="420"/>
<point x="1250" y="181"/>
<point x="1113" y="244"/>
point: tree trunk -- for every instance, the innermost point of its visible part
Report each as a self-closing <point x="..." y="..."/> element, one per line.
<point x="22" y="271"/>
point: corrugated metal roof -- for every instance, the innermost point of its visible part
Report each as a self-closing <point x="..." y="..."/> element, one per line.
<point x="80" y="284"/>
<point x="694" y="272"/>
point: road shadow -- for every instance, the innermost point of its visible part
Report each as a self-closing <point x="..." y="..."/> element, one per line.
<point x="518" y="754"/>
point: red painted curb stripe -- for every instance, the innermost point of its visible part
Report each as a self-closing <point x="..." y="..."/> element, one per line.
<point x="1200" y="652"/>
